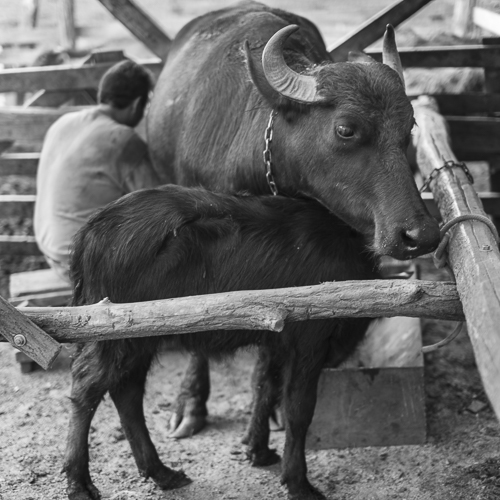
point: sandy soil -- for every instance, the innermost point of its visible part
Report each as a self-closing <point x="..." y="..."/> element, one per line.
<point x="460" y="461"/>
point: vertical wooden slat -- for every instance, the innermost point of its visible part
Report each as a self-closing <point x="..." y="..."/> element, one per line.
<point x="472" y="250"/>
<point x="67" y="32"/>
<point x="462" y="18"/>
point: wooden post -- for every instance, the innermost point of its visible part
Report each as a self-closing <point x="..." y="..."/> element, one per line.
<point x="462" y="18"/>
<point x="374" y="28"/>
<point x="472" y="250"/>
<point x="140" y="25"/>
<point x="67" y="32"/>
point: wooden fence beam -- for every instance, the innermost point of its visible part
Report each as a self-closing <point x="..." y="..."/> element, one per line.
<point x="473" y="252"/>
<point x="372" y="30"/>
<point x="459" y="56"/>
<point x="140" y="24"/>
<point x="66" y="77"/>
<point x="256" y="309"/>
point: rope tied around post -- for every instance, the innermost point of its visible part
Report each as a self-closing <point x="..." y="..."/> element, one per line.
<point x="440" y="262"/>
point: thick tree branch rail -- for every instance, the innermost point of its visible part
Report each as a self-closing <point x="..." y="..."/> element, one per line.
<point x="472" y="251"/>
<point x="256" y="309"/>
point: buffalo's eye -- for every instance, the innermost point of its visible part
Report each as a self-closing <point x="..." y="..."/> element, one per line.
<point x="345" y="132"/>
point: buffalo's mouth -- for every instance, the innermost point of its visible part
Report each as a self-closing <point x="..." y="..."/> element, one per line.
<point x="409" y="240"/>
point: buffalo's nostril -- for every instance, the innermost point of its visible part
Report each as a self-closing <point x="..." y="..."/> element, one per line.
<point x="421" y="239"/>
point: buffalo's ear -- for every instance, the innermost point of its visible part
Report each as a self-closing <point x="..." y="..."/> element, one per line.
<point x="258" y="78"/>
<point x="359" y="57"/>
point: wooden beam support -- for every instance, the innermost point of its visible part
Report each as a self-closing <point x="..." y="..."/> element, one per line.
<point x="374" y="28"/>
<point x="460" y="56"/>
<point x="66" y="77"/>
<point x="23" y="334"/>
<point x="473" y="252"/>
<point x="256" y="309"/>
<point x="140" y="24"/>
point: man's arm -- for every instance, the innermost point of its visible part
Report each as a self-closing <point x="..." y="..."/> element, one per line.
<point x="138" y="171"/>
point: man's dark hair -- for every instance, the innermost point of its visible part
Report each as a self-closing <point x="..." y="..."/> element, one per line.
<point x="123" y="83"/>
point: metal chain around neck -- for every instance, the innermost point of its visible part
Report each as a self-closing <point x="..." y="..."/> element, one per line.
<point x="268" y="136"/>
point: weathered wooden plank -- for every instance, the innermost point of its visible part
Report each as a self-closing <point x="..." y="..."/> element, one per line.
<point x="257" y="309"/>
<point x="392" y="400"/>
<point x="372" y="30"/>
<point x="140" y="24"/>
<point x="49" y="299"/>
<point x="18" y="245"/>
<point x="57" y="98"/>
<point x="32" y="282"/>
<point x="22" y="333"/>
<point x="473" y="252"/>
<point x="473" y="56"/>
<point x="65" y="77"/>
<point x="19" y="164"/>
<point x="466" y="104"/>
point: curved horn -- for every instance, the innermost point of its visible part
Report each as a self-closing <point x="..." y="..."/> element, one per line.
<point x="390" y="55"/>
<point x="283" y="79"/>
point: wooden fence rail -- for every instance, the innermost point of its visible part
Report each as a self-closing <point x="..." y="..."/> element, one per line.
<point x="242" y="310"/>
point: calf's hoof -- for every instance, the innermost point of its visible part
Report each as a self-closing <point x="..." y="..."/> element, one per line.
<point x="262" y="458"/>
<point x="168" y="479"/>
<point x="185" y="426"/>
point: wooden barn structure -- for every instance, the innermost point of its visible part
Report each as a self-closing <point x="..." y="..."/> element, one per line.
<point x="469" y="121"/>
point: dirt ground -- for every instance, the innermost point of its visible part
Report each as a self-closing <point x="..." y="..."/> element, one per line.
<point x="460" y="461"/>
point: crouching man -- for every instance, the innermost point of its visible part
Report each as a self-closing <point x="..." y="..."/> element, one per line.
<point x="90" y="158"/>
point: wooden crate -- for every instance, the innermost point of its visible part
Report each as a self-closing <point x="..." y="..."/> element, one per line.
<point x="377" y="397"/>
<point x="39" y="288"/>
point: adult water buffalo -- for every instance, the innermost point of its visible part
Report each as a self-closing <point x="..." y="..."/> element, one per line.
<point x="337" y="133"/>
<point x="177" y="241"/>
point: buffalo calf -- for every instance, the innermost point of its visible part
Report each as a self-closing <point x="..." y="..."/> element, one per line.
<point x="175" y="241"/>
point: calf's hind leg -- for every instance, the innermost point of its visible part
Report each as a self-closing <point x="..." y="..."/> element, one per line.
<point x="90" y="384"/>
